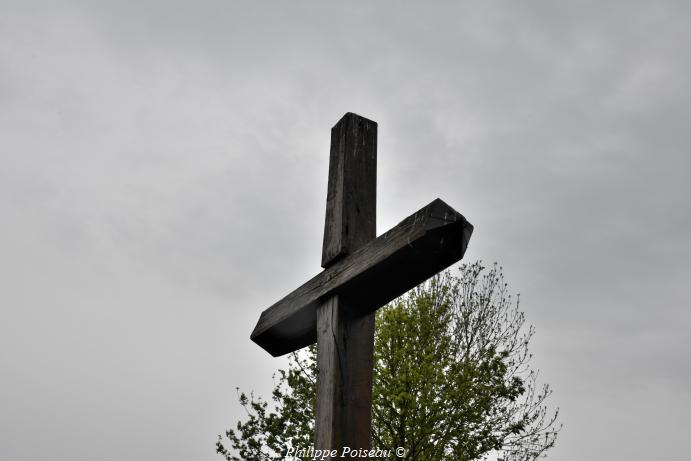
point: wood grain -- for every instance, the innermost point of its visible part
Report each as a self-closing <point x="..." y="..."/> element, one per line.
<point x="351" y="199"/>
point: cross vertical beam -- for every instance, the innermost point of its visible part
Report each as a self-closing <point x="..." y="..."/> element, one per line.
<point x="345" y="339"/>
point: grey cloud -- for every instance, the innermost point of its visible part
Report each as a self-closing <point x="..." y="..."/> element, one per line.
<point x="164" y="177"/>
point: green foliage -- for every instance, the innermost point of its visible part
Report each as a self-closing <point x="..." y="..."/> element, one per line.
<point x="266" y="435"/>
<point x="452" y="381"/>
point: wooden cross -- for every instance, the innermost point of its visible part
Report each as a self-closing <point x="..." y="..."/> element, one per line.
<point x="361" y="273"/>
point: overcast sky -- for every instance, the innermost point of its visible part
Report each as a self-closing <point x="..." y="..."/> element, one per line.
<point x="163" y="180"/>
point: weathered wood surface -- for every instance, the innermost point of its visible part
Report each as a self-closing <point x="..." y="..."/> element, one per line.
<point x="345" y="350"/>
<point x="345" y="342"/>
<point x="351" y="198"/>
<point x="421" y="245"/>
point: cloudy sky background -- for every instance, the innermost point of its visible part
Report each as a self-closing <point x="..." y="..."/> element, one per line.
<point x="163" y="180"/>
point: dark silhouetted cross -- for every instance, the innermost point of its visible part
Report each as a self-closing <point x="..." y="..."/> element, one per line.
<point x="361" y="273"/>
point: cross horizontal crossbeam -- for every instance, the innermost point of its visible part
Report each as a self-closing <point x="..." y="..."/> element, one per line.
<point x="421" y="245"/>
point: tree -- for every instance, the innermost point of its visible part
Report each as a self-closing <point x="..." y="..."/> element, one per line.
<point x="452" y="381"/>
